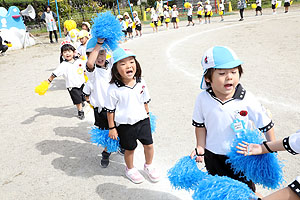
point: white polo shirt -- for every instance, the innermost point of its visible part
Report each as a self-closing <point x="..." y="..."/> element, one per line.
<point x="217" y="116"/>
<point x="258" y="3"/>
<point x="100" y="79"/>
<point x="166" y="14"/>
<point x="200" y="8"/>
<point x="190" y="11"/>
<point x="207" y="8"/>
<point x="89" y="91"/>
<point x="129" y="20"/>
<point x="73" y="73"/>
<point x="82" y="49"/>
<point x="137" y="20"/>
<point x="128" y="102"/>
<point x="174" y="13"/>
<point x="221" y="6"/>
<point x="274" y="2"/>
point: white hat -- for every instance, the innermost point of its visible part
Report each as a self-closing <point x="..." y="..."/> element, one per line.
<point x="87" y="24"/>
<point x="83" y="33"/>
<point x="218" y="57"/>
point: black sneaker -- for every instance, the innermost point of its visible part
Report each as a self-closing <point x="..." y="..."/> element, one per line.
<point x="105" y="159"/>
<point x="80" y="114"/>
<point x="121" y="151"/>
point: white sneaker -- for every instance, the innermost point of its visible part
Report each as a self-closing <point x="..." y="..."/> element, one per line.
<point x="134" y="175"/>
<point x="152" y="173"/>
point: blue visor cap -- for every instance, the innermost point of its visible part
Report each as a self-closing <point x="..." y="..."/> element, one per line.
<point x="121" y="53"/>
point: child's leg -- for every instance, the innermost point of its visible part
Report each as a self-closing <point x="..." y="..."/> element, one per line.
<point x="79" y="106"/>
<point x="149" y="152"/>
<point x="50" y="36"/>
<point x="55" y="34"/>
<point x="128" y="156"/>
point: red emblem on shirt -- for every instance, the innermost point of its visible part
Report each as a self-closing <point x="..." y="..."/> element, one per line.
<point x="243" y="113"/>
<point x="79" y="65"/>
<point x="205" y="60"/>
<point x="142" y="89"/>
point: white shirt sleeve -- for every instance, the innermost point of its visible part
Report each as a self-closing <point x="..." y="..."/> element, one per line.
<point x="87" y="88"/>
<point x="111" y="102"/>
<point x="294" y="142"/>
<point x="60" y="70"/>
<point x="146" y="95"/>
<point x="198" y="118"/>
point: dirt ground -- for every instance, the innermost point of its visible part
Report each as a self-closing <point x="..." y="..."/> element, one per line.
<point x="45" y="151"/>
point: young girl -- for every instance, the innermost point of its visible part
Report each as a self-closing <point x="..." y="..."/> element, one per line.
<point x="200" y="11"/>
<point x="138" y="24"/>
<point x="155" y="19"/>
<point x="190" y="15"/>
<point x="129" y="22"/>
<point x="221" y="10"/>
<point x="128" y="113"/>
<point x="223" y="101"/>
<point x="174" y="14"/>
<point x="72" y="71"/>
<point x="207" y="9"/>
<point x="167" y="16"/>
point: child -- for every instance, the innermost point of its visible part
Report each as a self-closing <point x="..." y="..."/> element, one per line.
<point x="290" y="144"/>
<point x="207" y="9"/>
<point x="83" y="37"/>
<point x="72" y="71"/>
<point x="128" y="113"/>
<point x="218" y="106"/>
<point x="86" y="26"/>
<point x="50" y="18"/>
<point x="123" y="25"/>
<point x="274" y="2"/>
<point x="258" y="7"/>
<point x="190" y="15"/>
<point x="174" y="14"/>
<point x="3" y="47"/>
<point x="138" y="24"/>
<point x="129" y="22"/>
<point x="221" y="10"/>
<point x="99" y="74"/>
<point x="167" y="16"/>
<point x="199" y="11"/>
<point x="286" y="5"/>
<point x="154" y="18"/>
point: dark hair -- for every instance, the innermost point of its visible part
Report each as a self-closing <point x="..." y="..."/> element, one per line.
<point x="48" y="6"/>
<point x="67" y="47"/>
<point x="115" y="76"/>
<point x="86" y="26"/>
<point x="210" y="72"/>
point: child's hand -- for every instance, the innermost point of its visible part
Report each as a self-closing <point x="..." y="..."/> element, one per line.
<point x="200" y="156"/>
<point x="249" y="149"/>
<point x="113" y="134"/>
<point x="100" y="40"/>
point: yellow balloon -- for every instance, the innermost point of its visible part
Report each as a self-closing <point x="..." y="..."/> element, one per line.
<point x="42" y="88"/>
<point x="168" y="20"/>
<point x="253" y="5"/>
<point x="152" y="25"/>
<point x="177" y="19"/>
<point x="159" y="23"/>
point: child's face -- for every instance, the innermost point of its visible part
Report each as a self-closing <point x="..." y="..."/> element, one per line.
<point x="134" y="15"/>
<point x="84" y="27"/>
<point x="101" y="58"/>
<point x="223" y="82"/>
<point x="83" y="40"/>
<point x="68" y="55"/>
<point x="127" y="68"/>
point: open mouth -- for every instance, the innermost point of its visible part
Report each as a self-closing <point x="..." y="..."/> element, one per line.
<point x="228" y="86"/>
<point x="129" y="72"/>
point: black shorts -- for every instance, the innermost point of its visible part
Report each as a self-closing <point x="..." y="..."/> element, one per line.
<point x="190" y="18"/>
<point x="207" y="15"/>
<point x="215" y="165"/>
<point x="258" y="8"/>
<point x="125" y="32"/>
<point x="138" y="27"/>
<point x="162" y="19"/>
<point x="129" y="134"/>
<point x="155" y="23"/>
<point x="287" y="4"/>
<point x="173" y="19"/>
<point x="77" y="95"/>
<point x="101" y="119"/>
<point x="273" y="6"/>
<point x="129" y="30"/>
<point x="199" y="16"/>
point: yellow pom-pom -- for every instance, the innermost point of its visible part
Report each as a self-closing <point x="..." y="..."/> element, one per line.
<point x="91" y="106"/>
<point x="148" y="9"/>
<point x="9" y="44"/>
<point x="187" y="5"/>
<point x="159" y="23"/>
<point x="276" y="5"/>
<point x="86" y="78"/>
<point x="42" y="88"/>
<point x="253" y="5"/>
<point x="108" y="56"/>
<point x="83" y="57"/>
<point x="70" y="25"/>
<point x="177" y="19"/>
<point x="152" y="25"/>
<point x="221" y="13"/>
<point x="211" y="13"/>
<point x="126" y="24"/>
<point x="133" y="25"/>
<point x="168" y="20"/>
<point x="291" y="2"/>
<point x="200" y="12"/>
<point x="170" y="8"/>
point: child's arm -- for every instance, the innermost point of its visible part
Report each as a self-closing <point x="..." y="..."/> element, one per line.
<point x="113" y="134"/>
<point x="94" y="54"/>
<point x="50" y="79"/>
<point x="270" y="136"/>
<point x="146" y="108"/>
<point x="201" y="143"/>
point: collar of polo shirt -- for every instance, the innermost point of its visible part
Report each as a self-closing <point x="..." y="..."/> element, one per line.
<point x="121" y="84"/>
<point x="238" y="94"/>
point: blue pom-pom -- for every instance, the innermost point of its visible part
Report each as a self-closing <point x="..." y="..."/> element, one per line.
<point x="185" y="174"/>
<point x="152" y="122"/>
<point x="221" y="187"/>
<point x="107" y="27"/>
<point x="100" y="137"/>
<point x="263" y="169"/>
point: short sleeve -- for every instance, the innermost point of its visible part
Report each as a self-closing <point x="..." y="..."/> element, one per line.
<point x="60" y="70"/>
<point x="198" y="119"/>
<point x="90" y="74"/>
<point x="146" y="95"/>
<point x="259" y="115"/>
<point x="111" y="102"/>
<point x="292" y="143"/>
<point x="87" y="89"/>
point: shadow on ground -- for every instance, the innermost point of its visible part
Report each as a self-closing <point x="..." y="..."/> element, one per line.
<point x="79" y="158"/>
<point x="66" y="111"/>
<point x="109" y="191"/>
